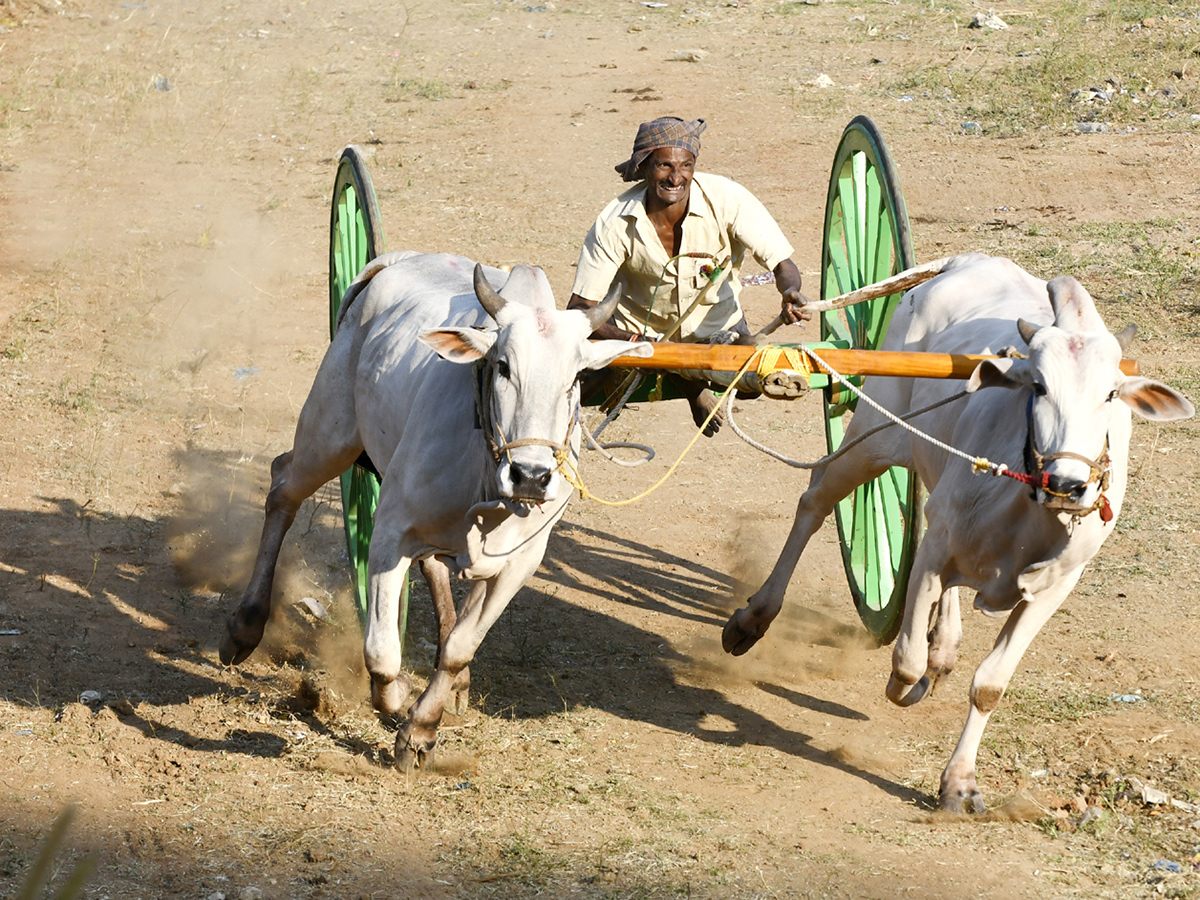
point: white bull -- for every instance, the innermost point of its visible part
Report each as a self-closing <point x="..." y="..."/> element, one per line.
<point x="1064" y="419"/>
<point x="470" y="455"/>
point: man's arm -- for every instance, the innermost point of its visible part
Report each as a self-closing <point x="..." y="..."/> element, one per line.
<point x="607" y="331"/>
<point x="791" y="301"/>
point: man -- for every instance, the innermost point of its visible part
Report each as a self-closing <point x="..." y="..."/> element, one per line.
<point x="662" y="240"/>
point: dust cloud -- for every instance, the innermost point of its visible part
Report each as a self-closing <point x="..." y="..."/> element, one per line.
<point x="814" y="636"/>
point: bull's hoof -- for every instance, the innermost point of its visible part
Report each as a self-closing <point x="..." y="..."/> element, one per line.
<point x="410" y="758"/>
<point x="738" y="637"/>
<point x="388" y="696"/>
<point x="903" y="693"/>
<point x="962" y="801"/>
<point x="235" y="648"/>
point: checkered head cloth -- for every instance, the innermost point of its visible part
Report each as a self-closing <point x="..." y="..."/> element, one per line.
<point x="669" y="131"/>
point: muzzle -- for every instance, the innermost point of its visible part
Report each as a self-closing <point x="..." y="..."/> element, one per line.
<point x="1065" y="493"/>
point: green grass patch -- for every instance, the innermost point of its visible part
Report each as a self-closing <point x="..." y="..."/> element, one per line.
<point x="1039" y="73"/>
<point x="426" y="88"/>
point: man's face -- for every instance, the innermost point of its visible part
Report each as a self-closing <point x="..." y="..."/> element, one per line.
<point x="669" y="172"/>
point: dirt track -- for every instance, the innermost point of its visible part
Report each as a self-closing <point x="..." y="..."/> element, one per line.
<point x="164" y="178"/>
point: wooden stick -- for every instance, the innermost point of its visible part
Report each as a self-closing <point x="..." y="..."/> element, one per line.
<point x="901" y="281"/>
<point x="731" y="357"/>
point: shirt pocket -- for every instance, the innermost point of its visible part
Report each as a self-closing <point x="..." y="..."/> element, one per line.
<point x="699" y="280"/>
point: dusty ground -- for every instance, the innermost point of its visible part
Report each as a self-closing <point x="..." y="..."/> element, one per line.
<point x="164" y="176"/>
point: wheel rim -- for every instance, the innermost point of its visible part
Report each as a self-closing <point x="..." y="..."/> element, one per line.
<point x="867" y="239"/>
<point x="356" y="237"/>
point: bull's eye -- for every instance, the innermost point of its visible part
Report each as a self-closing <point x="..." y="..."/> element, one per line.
<point x="1113" y="395"/>
<point x="502" y="369"/>
<point x="1039" y="388"/>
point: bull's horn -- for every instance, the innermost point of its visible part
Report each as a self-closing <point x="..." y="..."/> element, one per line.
<point x="1125" y="336"/>
<point x="1026" y="329"/>
<point x="602" y="311"/>
<point x="488" y="298"/>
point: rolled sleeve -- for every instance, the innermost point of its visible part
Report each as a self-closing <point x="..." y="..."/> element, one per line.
<point x="754" y="227"/>
<point x="598" y="265"/>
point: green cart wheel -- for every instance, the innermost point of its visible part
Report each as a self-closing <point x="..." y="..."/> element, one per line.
<point x="355" y="238"/>
<point x="866" y="239"/>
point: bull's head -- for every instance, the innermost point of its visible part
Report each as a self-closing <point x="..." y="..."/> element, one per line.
<point x="1078" y="397"/>
<point x="531" y="365"/>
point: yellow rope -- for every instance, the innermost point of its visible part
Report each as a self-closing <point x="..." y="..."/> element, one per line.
<point x="571" y="471"/>
<point x="769" y="361"/>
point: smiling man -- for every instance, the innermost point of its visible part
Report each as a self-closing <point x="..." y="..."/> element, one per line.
<point x="662" y="239"/>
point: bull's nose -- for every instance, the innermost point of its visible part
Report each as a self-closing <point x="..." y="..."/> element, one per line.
<point x="527" y="479"/>
<point x="1066" y="488"/>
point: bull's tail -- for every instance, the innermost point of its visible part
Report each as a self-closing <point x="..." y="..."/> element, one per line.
<point x="370" y="270"/>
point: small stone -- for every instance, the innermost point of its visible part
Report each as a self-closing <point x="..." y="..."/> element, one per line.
<point x="822" y="81"/>
<point x="987" y="20"/>
<point x="1090" y="815"/>
<point x="1091" y="95"/>
<point x="314" y="607"/>
<point x="1154" y="797"/>
<point x="91" y="698"/>
<point x="250" y="893"/>
<point x="1102" y="128"/>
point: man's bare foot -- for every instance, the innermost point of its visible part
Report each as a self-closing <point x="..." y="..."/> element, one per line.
<point x="702" y="404"/>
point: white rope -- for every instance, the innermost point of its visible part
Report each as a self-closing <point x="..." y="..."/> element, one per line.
<point x="894" y="420"/>
<point x="593" y="438"/>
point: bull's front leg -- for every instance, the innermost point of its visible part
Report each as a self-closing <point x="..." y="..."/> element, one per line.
<point x="959" y="789"/>
<point x="945" y="639"/>
<point x="487" y="600"/>
<point x="751" y="622"/>
<point x="910" y="680"/>
<point x="388" y="569"/>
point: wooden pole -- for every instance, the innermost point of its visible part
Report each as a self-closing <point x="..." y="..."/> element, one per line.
<point x="731" y="357"/>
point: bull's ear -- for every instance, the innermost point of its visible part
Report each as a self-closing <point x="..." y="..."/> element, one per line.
<point x="1009" y="373"/>
<point x="458" y="345"/>
<point x="1154" y="400"/>
<point x="598" y="354"/>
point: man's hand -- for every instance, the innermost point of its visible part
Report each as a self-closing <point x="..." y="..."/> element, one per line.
<point x="792" y="308"/>
<point x="791" y="300"/>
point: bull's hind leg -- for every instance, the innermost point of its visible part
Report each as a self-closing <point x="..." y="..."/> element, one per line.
<point x="827" y="487"/>
<point x="323" y="448"/>
<point x="437" y="576"/>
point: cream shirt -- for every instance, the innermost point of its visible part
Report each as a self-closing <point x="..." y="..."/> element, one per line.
<point x="723" y="219"/>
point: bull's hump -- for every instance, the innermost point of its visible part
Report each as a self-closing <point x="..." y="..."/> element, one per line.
<point x="528" y="286"/>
